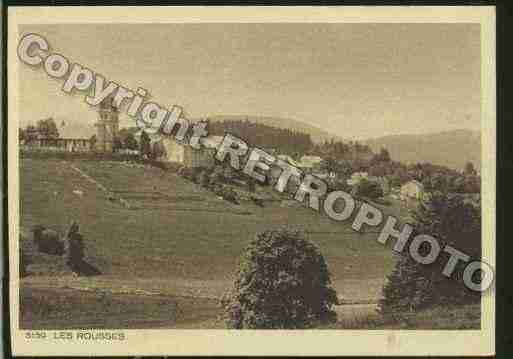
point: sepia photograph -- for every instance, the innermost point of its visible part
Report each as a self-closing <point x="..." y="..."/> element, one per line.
<point x="293" y="181"/>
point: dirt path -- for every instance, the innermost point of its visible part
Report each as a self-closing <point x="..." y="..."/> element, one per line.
<point x="351" y="291"/>
<point x="357" y="306"/>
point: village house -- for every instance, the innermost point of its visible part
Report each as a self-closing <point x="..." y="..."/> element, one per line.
<point x="307" y="164"/>
<point x="310" y="164"/>
<point x="168" y="150"/>
<point x="357" y="177"/>
<point x="412" y="190"/>
<point x="107" y="128"/>
<point x="58" y="144"/>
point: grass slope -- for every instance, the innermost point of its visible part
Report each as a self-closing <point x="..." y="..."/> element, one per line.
<point x="187" y="232"/>
<point x="175" y="240"/>
<point x="451" y="317"/>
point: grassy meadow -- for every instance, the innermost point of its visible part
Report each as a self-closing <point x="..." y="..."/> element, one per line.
<point x="175" y="238"/>
<point x="174" y="228"/>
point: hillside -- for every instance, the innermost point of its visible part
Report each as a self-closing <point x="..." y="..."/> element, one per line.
<point x="171" y="213"/>
<point x="157" y="237"/>
<point x="316" y="134"/>
<point x="451" y="148"/>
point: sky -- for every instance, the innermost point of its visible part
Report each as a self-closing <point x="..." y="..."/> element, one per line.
<point x="356" y="81"/>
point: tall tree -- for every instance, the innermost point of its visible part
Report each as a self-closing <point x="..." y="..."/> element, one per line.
<point x="282" y="282"/>
<point x="47" y="128"/>
<point x="384" y="156"/>
<point x="93" y="141"/>
<point x="413" y="286"/>
<point x="117" y="145"/>
<point x="469" y="169"/>
<point x="145" y="145"/>
<point x="130" y="142"/>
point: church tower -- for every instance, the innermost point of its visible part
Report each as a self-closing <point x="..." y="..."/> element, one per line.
<point x="107" y="126"/>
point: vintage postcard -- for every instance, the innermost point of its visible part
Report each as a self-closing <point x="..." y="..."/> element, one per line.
<point x="251" y="181"/>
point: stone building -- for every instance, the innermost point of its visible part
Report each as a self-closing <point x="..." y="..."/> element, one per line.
<point x="107" y="127"/>
<point x="169" y="150"/>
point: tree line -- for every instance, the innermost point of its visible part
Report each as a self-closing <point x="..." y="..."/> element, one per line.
<point x="264" y="136"/>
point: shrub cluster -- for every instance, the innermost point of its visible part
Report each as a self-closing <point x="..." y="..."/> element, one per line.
<point x="217" y="179"/>
<point x="369" y="189"/>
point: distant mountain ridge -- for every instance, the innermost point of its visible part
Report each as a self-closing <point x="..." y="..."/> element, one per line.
<point x="450" y="148"/>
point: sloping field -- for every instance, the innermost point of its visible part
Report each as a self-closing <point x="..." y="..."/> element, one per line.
<point x="175" y="238"/>
<point x="189" y="234"/>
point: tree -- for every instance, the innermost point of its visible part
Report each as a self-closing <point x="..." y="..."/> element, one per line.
<point x="204" y="179"/>
<point x="228" y="174"/>
<point x="472" y="184"/>
<point x="412" y="286"/>
<point x="379" y="169"/>
<point x="145" y="145"/>
<point x="158" y="151"/>
<point x="31" y="133"/>
<point x="329" y="165"/>
<point x="130" y="142"/>
<point x="469" y="169"/>
<point x="117" y="144"/>
<point x="21" y="135"/>
<point x="251" y="185"/>
<point x="382" y="156"/>
<point x="93" y="141"/>
<point x="47" y="128"/>
<point x="369" y="189"/>
<point x="458" y="184"/>
<point x="282" y="282"/>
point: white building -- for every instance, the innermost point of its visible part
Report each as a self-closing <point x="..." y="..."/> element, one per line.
<point x="310" y="163"/>
<point x="412" y="189"/>
<point x="172" y="151"/>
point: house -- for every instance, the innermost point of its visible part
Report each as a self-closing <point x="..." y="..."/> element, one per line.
<point x="310" y="163"/>
<point x="107" y="129"/>
<point x="357" y="177"/>
<point x="168" y="150"/>
<point x="126" y="151"/>
<point x="59" y="144"/>
<point x="413" y="190"/>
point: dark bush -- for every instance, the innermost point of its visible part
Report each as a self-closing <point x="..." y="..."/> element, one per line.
<point x="47" y="241"/>
<point x="25" y="261"/>
<point x="229" y="195"/>
<point x="412" y="286"/>
<point x="369" y="189"/>
<point x="282" y="282"/>
<point x="204" y="179"/>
